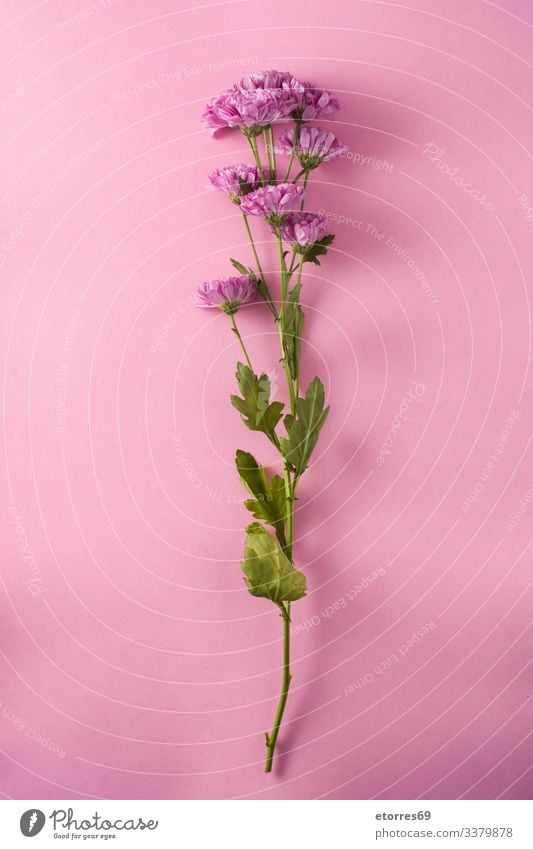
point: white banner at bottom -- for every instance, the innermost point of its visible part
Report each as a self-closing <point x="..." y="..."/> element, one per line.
<point x="268" y="824"/>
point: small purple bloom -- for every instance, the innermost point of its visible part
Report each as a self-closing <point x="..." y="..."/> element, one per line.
<point x="274" y="202"/>
<point x="236" y="180"/>
<point x="304" y="228"/>
<point x="313" y="147"/>
<point x="316" y="103"/>
<point x="227" y="293"/>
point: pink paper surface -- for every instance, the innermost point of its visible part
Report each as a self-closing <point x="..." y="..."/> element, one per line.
<point x="133" y="663"/>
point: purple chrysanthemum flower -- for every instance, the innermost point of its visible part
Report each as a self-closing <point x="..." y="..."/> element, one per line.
<point x="316" y="103"/>
<point x="265" y="97"/>
<point x="304" y="228"/>
<point x="272" y="80"/>
<point x="227" y="293"/>
<point x="274" y="202"/>
<point x="213" y="115"/>
<point x="236" y="180"/>
<point x="250" y="109"/>
<point x="301" y="100"/>
<point x="313" y="147"/>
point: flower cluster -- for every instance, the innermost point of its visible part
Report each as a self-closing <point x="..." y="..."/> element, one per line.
<point x="263" y="195"/>
<point x="266" y="98"/>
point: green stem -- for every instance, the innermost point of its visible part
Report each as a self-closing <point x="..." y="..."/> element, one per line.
<point x="252" y="243"/>
<point x="298" y="282"/>
<point x="273" y="149"/>
<point x="290" y="492"/>
<point x="255" y="151"/>
<point x="268" y="154"/>
<point x="239" y="337"/>
<point x="284" y="286"/>
<point x="286" y="681"/>
<point x="292" y="265"/>
<point x="260" y="270"/>
<point x="299" y="174"/>
<point x="305" y="186"/>
<point x="293" y="150"/>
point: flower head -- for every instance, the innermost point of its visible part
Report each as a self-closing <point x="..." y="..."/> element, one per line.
<point x="249" y="110"/>
<point x="304" y="228"/>
<point x="227" y="293"/>
<point x="313" y="147"/>
<point x="257" y="101"/>
<point x="300" y="100"/>
<point x="316" y="103"/>
<point x="236" y="180"/>
<point x="274" y="202"/>
<point x="272" y="81"/>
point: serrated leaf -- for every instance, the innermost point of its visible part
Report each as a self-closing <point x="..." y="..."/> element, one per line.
<point x="268" y="573"/>
<point x="270" y="502"/>
<point x="255" y="408"/>
<point x="312" y="252"/>
<point x="303" y="428"/>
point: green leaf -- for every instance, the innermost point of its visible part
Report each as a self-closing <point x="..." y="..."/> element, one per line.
<point x="254" y="406"/>
<point x="304" y="427"/>
<point x="292" y="338"/>
<point x="268" y="573"/>
<point x="270" y="503"/>
<point x="245" y="188"/>
<point x="242" y="269"/>
<point x="312" y="252"/>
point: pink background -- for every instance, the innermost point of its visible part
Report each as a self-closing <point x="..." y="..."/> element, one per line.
<point x="136" y="664"/>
